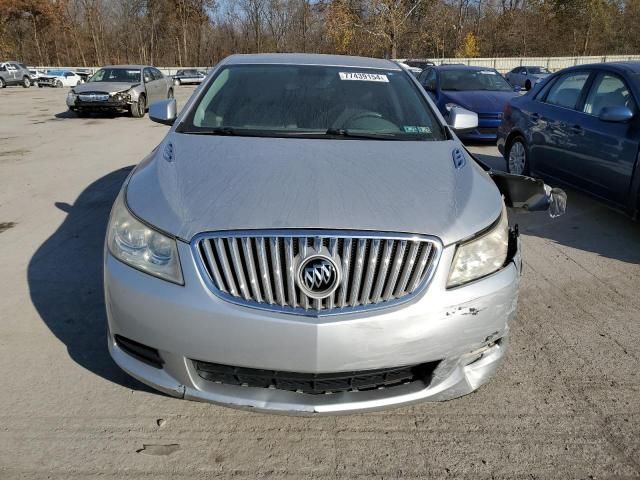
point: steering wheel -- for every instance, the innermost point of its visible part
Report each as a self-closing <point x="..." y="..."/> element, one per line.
<point x="361" y="115"/>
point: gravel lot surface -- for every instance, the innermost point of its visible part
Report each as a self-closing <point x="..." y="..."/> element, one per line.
<point x="566" y="404"/>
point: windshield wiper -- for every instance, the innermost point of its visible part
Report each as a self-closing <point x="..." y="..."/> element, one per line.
<point x="344" y="132"/>
<point x="211" y="131"/>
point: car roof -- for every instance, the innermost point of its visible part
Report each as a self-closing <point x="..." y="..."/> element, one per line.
<point x="130" y="67"/>
<point x="461" y="66"/>
<point x="625" y="67"/>
<point x="310" y="59"/>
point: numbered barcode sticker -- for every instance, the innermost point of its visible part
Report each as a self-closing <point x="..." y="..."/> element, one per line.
<point x="365" y="77"/>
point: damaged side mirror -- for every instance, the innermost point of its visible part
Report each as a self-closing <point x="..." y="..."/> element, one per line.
<point x="530" y="194"/>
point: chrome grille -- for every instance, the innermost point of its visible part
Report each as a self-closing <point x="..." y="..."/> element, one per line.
<point x="258" y="268"/>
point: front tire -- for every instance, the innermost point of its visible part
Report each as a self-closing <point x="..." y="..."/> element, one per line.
<point x="527" y="85"/>
<point x="177" y="82"/>
<point x="58" y="84"/>
<point x="26" y="82"/>
<point x="517" y="157"/>
<point x="139" y="108"/>
<point x="3" y="84"/>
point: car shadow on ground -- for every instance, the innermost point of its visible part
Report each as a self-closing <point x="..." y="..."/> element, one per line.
<point x="66" y="284"/>
<point x="587" y="225"/>
<point x="68" y="114"/>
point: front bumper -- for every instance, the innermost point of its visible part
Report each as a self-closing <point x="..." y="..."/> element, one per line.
<point x="486" y="132"/>
<point x="464" y="329"/>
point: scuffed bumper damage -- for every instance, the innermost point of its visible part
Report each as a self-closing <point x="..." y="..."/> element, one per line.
<point x="464" y="330"/>
<point x="118" y="101"/>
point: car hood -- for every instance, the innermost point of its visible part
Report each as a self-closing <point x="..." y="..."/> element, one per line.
<point x="481" y="101"/>
<point x="214" y="183"/>
<point x="106" y="87"/>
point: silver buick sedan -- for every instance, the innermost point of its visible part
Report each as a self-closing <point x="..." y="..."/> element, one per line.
<point x="311" y="237"/>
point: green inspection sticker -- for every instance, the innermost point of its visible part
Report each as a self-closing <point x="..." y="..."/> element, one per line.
<point x="415" y="129"/>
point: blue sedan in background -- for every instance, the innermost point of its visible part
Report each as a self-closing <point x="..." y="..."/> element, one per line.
<point x="580" y="127"/>
<point x="481" y="90"/>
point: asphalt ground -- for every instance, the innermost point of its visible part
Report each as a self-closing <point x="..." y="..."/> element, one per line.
<point x="566" y="403"/>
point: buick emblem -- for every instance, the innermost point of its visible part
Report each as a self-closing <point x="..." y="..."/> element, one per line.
<point x="318" y="276"/>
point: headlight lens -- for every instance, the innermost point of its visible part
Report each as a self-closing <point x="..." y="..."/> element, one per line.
<point x="481" y="256"/>
<point x="140" y="246"/>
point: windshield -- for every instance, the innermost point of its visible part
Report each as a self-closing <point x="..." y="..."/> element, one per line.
<point x="537" y="70"/>
<point x="315" y="101"/>
<point x="473" y="80"/>
<point x="124" y="75"/>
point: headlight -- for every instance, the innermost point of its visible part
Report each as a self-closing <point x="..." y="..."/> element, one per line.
<point x="481" y="256"/>
<point x="140" y="246"/>
<point x="71" y="96"/>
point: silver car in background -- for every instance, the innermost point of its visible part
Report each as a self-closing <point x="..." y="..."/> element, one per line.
<point x="188" y="77"/>
<point x="130" y="88"/>
<point x="526" y="77"/>
<point x="328" y="246"/>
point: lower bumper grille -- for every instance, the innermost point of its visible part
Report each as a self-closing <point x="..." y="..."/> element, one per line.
<point x="315" y="383"/>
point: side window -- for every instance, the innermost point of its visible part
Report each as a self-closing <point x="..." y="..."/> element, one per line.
<point x="422" y="76"/>
<point x="430" y="80"/>
<point x="565" y="92"/>
<point x="157" y="74"/>
<point x="608" y="90"/>
<point x="10" y="67"/>
<point x="519" y="70"/>
<point x="3" y="68"/>
<point x="148" y="77"/>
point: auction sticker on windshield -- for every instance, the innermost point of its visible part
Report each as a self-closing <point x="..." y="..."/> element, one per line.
<point x="367" y="77"/>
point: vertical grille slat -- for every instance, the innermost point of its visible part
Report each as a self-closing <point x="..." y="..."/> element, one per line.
<point x="333" y="251"/>
<point x="239" y="268"/>
<point x="395" y="270"/>
<point x="357" y="272"/>
<point x="254" y="280"/>
<point x="291" y="274"/>
<point x="370" y="272"/>
<point x="418" y="273"/>
<point x="264" y="270"/>
<point x="346" y="268"/>
<point x="406" y="269"/>
<point x="302" y="251"/>
<point x="385" y="261"/>
<point x="261" y="269"/>
<point x="221" y="250"/>
<point x="213" y="267"/>
<point x="277" y="270"/>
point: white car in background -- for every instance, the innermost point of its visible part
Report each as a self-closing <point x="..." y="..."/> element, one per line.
<point x="59" y="79"/>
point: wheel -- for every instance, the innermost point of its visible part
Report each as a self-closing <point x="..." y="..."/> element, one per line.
<point x="517" y="162"/>
<point x="26" y="82"/>
<point x="527" y="85"/>
<point x="177" y="82"/>
<point x="40" y="85"/>
<point x="58" y="83"/>
<point x="3" y="84"/>
<point x="139" y="108"/>
<point x="170" y="93"/>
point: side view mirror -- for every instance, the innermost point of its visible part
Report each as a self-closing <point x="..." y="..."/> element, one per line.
<point x="462" y="120"/>
<point x="530" y="194"/>
<point x="164" y="111"/>
<point x="616" y="114"/>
